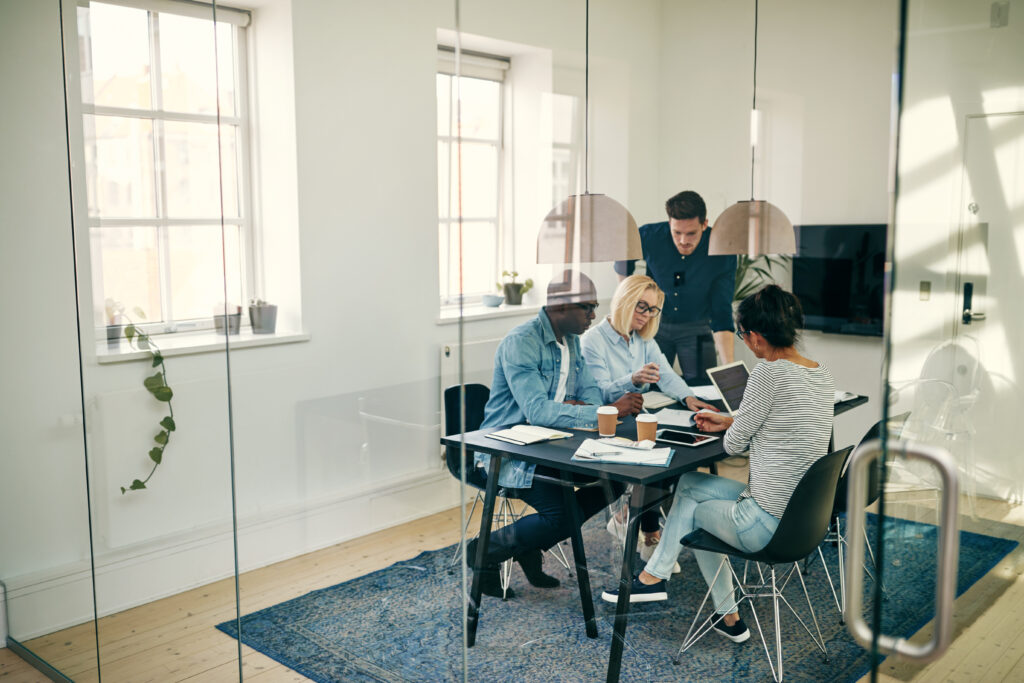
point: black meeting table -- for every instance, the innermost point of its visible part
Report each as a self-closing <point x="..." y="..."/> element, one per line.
<point x="648" y="491"/>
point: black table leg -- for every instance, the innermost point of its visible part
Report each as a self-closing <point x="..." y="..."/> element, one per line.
<point x="579" y="556"/>
<point x="473" y="608"/>
<point x="636" y="503"/>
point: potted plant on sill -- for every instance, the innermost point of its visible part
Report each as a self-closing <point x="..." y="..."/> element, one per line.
<point x="262" y="316"/>
<point x="514" y="290"/>
<point x="232" y="320"/>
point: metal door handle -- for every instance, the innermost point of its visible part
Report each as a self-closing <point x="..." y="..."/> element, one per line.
<point x="968" y="314"/>
<point x="945" y="574"/>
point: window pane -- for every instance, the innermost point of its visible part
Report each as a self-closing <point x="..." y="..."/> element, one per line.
<point x="119" y="159"/>
<point x="481" y="108"/>
<point x="192" y="171"/>
<point x="479" y="249"/>
<point x="479" y="181"/>
<point x="563" y="118"/>
<point x="187" y="67"/>
<point x="128" y="261"/>
<point x="443" y="178"/>
<point x="114" y="54"/>
<point x="197" y="272"/>
<point x="444" y="103"/>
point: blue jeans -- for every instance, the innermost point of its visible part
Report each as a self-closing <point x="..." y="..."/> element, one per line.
<point x="705" y="501"/>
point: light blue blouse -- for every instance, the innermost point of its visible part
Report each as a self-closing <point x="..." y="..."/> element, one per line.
<point x="612" y="362"/>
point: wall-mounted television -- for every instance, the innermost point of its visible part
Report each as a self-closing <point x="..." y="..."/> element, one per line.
<point x="839" y="277"/>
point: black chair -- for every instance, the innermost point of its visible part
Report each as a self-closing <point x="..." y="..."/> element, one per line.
<point x="800" y="531"/>
<point x="476" y="399"/>
<point x="835" y="534"/>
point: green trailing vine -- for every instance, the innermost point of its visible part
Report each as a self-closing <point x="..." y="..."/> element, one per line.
<point x="156" y="385"/>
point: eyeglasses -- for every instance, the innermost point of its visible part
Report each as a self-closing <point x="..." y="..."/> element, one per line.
<point x="589" y="308"/>
<point x="642" y="307"/>
<point x="741" y="333"/>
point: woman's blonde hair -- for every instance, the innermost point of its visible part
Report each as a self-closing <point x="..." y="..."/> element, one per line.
<point x="624" y="301"/>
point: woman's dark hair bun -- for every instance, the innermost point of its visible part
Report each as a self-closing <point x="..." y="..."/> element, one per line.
<point x="774" y="313"/>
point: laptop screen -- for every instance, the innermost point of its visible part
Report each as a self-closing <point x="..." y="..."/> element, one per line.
<point x="731" y="382"/>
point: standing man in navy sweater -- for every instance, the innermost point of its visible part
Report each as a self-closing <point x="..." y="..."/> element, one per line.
<point x="697" y="318"/>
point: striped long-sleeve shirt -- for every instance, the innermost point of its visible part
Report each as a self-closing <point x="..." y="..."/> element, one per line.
<point x="785" y="421"/>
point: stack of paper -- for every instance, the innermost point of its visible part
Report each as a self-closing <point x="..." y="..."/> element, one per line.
<point x="678" y="418"/>
<point x="844" y="396"/>
<point x="592" y="450"/>
<point x="707" y="392"/>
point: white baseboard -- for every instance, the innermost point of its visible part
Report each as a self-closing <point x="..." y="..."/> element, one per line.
<point x="60" y="597"/>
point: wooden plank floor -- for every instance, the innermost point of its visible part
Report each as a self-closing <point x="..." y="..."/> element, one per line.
<point x="171" y="639"/>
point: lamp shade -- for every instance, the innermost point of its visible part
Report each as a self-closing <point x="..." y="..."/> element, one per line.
<point x="752" y="227"/>
<point x="588" y="228"/>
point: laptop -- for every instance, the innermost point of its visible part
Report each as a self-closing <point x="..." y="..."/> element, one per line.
<point x="731" y="382"/>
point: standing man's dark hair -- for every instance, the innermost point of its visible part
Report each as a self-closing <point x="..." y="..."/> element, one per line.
<point x="686" y="205"/>
<point x="696" y="323"/>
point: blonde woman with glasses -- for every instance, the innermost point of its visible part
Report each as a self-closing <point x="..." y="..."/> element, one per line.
<point x="623" y="357"/>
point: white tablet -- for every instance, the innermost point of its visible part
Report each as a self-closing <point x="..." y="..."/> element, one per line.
<point x="684" y="438"/>
<point x="731" y="382"/>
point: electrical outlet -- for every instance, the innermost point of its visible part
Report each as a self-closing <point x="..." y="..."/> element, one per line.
<point x="925" y="291"/>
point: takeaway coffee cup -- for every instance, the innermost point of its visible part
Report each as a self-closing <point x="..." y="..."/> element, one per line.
<point x="607" y="417"/>
<point x="646" y="427"/>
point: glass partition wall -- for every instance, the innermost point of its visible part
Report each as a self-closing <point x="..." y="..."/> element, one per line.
<point x="248" y="326"/>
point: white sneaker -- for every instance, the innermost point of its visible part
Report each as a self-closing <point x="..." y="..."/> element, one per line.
<point x="647" y="550"/>
<point x="617" y="529"/>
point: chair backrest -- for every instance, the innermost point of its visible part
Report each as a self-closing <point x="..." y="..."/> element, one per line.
<point x="839" y="504"/>
<point x="476" y="399"/>
<point x="805" y="520"/>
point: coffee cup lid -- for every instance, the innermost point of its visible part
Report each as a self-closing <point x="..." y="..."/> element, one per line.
<point x="646" y="417"/>
<point x="608" y="410"/>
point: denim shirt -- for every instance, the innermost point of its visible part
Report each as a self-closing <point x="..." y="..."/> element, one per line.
<point x="613" y="362"/>
<point x="527" y="365"/>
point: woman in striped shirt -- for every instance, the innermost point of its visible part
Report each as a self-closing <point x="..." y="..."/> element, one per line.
<point x="784" y="420"/>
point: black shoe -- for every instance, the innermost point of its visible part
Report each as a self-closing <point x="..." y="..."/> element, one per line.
<point x="490" y="576"/>
<point x="490" y="583"/>
<point x="640" y="592"/>
<point x="737" y="633"/>
<point x="533" y="566"/>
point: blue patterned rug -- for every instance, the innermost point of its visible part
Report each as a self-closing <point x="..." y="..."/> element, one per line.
<point x="403" y="623"/>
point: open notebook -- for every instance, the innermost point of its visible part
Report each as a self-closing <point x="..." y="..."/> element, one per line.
<point x="527" y="434"/>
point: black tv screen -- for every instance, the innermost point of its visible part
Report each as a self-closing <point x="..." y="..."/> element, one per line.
<point x="839" y="277"/>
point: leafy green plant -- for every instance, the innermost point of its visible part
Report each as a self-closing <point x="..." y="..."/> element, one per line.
<point x="156" y="384"/>
<point x="509" y="278"/>
<point x="754" y="273"/>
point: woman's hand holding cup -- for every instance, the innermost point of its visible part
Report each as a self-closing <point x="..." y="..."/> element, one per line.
<point x="648" y="374"/>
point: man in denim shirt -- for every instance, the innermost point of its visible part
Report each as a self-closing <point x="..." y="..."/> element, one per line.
<point x="540" y="377"/>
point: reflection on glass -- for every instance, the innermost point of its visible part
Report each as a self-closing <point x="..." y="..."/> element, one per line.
<point x="197" y="275"/>
<point x="119" y="162"/>
<point x="188" y="69"/>
<point x="129" y="275"/>
<point x="192" y="171"/>
<point x="114" y="52"/>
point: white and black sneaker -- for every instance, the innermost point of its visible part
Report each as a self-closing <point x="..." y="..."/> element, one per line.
<point x="639" y="592"/>
<point x="737" y="633"/>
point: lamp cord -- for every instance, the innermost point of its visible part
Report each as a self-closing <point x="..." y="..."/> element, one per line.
<point x="753" y="104"/>
<point x="586" y="104"/>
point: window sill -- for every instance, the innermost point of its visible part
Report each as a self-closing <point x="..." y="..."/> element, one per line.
<point x="449" y="315"/>
<point x="186" y="343"/>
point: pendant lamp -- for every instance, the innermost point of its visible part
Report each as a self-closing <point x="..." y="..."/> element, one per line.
<point x="753" y="227"/>
<point x="588" y="228"/>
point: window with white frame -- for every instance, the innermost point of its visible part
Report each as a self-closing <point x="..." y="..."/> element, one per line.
<point x="481" y="150"/>
<point x="164" y="114"/>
